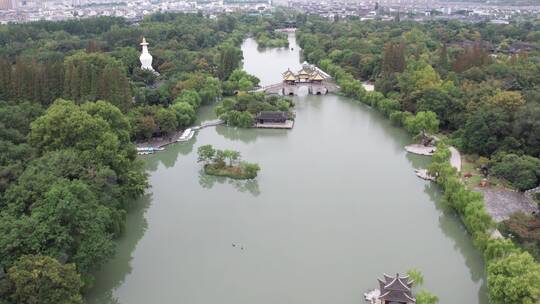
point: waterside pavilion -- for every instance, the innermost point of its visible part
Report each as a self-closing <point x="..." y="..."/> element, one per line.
<point x="273" y="120"/>
<point x="392" y="290"/>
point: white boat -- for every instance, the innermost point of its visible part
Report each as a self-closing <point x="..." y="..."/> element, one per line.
<point x="186" y="135"/>
<point x="148" y="150"/>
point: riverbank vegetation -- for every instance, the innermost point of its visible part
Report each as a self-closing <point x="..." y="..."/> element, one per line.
<point x="513" y="275"/>
<point x="72" y="101"/>
<point x="423" y="296"/>
<point x="226" y="163"/>
<point x="74" y="174"/>
<point x="241" y="110"/>
<point x="481" y="80"/>
<point x="480" y="85"/>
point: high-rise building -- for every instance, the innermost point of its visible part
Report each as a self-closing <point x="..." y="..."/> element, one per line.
<point x="6" y="4"/>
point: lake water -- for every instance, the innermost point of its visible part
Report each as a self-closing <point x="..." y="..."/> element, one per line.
<point x="335" y="206"/>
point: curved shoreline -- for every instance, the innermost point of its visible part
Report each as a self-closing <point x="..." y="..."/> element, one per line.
<point x="455" y="156"/>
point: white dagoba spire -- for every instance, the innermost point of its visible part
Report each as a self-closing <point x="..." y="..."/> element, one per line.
<point x="146" y="58"/>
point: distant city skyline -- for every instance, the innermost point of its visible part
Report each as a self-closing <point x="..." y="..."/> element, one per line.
<point x="55" y="10"/>
<point x="7" y="4"/>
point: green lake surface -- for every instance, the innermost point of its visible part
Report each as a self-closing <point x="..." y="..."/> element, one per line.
<point x="335" y="206"/>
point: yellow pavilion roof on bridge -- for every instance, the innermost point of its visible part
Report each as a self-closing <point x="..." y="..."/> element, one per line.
<point x="290" y="77"/>
<point x="303" y="72"/>
<point x="287" y="73"/>
<point x="306" y="73"/>
<point x="317" y="76"/>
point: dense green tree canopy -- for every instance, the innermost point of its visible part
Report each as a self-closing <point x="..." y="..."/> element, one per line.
<point x="185" y="114"/>
<point x="69" y="166"/>
<point x="89" y="77"/>
<point x="43" y="280"/>
<point x="514" y="279"/>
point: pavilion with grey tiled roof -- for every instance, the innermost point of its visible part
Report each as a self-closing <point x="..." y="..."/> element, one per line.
<point x="396" y="290"/>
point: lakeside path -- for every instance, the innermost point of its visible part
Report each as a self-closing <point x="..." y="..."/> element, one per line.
<point x="162" y="141"/>
<point x="499" y="203"/>
<point x="421" y="149"/>
<point x="455" y="158"/>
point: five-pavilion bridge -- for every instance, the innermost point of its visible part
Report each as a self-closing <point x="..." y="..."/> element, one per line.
<point x="311" y="77"/>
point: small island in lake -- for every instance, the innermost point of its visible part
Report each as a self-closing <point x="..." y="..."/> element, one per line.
<point x="226" y="163"/>
<point x="244" y="109"/>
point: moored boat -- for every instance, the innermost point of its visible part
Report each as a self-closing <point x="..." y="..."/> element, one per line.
<point x="148" y="150"/>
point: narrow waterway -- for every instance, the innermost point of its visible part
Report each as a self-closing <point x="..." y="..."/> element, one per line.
<point x="335" y="206"/>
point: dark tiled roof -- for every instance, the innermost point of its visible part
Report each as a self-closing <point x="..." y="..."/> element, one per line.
<point x="272" y="115"/>
<point x="396" y="289"/>
<point x="397" y="296"/>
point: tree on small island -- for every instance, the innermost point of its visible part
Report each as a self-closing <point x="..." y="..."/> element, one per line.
<point x="225" y="163"/>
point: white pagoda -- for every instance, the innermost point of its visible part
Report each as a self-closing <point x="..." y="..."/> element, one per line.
<point x="146" y="58"/>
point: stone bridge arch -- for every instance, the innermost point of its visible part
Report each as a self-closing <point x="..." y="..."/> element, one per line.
<point x="313" y="89"/>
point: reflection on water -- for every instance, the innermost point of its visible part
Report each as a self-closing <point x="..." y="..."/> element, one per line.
<point x="250" y="186"/>
<point x="453" y="228"/>
<point x="170" y="155"/>
<point x="172" y="152"/>
<point x="114" y="272"/>
<point x="235" y="134"/>
<point x="249" y="135"/>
